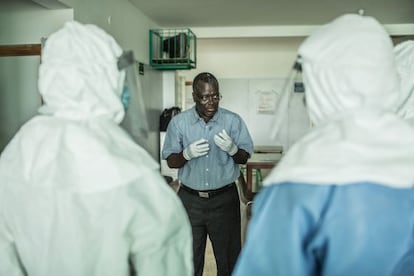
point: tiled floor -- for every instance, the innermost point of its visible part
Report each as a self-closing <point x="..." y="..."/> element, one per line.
<point x="209" y="262"/>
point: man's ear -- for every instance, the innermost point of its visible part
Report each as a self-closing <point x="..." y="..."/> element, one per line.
<point x="194" y="97"/>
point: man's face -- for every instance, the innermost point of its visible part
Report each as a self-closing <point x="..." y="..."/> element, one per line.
<point x="207" y="100"/>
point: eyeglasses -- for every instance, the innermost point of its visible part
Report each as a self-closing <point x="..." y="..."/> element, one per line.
<point x="204" y="99"/>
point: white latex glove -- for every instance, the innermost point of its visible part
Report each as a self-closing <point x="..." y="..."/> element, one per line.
<point x="223" y="141"/>
<point x="196" y="149"/>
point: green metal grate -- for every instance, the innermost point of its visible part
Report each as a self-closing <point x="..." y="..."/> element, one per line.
<point x="172" y="49"/>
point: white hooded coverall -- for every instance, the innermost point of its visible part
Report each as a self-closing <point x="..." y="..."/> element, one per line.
<point x="341" y="201"/>
<point x="77" y="196"/>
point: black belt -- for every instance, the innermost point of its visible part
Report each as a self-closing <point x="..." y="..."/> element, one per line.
<point x="208" y="193"/>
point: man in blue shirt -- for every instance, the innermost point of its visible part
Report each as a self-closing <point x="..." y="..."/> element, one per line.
<point x="207" y="144"/>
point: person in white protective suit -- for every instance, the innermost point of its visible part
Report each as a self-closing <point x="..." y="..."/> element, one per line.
<point x="404" y="56"/>
<point x="77" y="195"/>
<point x="341" y="201"/>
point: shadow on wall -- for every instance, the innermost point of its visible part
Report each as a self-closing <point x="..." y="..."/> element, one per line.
<point x="19" y="96"/>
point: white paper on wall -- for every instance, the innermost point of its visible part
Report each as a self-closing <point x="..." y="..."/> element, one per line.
<point x="265" y="101"/>
<point x="255" y="101"/>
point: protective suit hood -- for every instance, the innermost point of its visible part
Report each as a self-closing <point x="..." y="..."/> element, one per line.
<point x="341" y="68"/>
<point x="352" y="93"/>
<point x="404" y="56"/>
<point x="78" y="76"/>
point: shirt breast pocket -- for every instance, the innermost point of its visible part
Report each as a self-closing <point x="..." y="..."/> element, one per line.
<point x="223" y="158"/>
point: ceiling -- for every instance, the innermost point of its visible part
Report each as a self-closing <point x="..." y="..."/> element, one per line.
<point x="232" y="13"/>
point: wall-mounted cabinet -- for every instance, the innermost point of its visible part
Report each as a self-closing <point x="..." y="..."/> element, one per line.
<point x="172" y="49"/>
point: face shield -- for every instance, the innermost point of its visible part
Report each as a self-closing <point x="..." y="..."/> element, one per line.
<point x="404" y="57"/>
<point x="135" y="120"/>
<point x="291" y="119"/>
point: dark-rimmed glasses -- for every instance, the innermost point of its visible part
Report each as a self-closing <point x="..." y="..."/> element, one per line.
<point x="204" y="99"/>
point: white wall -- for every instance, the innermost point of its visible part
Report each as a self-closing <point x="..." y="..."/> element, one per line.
<point x="22" y="22"/>
<point x="243" y="65"/>
<point x="120" y="18"/>
<point x="245" y="57"/>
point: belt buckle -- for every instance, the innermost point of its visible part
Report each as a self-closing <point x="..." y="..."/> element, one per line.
<point x="203" y="194"/>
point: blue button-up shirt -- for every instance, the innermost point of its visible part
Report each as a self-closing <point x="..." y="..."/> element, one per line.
<point x="217" y="168"/>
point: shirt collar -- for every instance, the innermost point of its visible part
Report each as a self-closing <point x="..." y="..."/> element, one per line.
<point x="197" y="117"/>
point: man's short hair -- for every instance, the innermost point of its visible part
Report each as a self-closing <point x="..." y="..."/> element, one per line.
<point x="205" y="77"/>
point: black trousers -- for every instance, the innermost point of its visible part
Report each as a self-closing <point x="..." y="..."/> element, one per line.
<point x="219" y="218"/>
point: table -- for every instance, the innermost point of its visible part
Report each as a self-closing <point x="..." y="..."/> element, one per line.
<point x="259" y="161"/>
